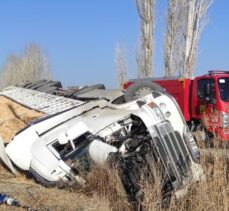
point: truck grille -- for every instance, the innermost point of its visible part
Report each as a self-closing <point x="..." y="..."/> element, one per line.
<point x="173" y="153"/>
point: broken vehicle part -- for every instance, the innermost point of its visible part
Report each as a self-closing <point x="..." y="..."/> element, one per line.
<point x="5" y="158"/>
<point x="6" y="199"/>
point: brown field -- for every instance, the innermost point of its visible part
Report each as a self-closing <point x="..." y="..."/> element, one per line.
<point x="104" y="190"/>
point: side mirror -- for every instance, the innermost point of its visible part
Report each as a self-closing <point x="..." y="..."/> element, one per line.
<point x="62" y="139"/>
<point x="76" y="131"/>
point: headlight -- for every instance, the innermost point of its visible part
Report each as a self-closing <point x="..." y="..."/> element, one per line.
<point x="224" y="120"/>
<point x="156" y="111"/>
<point x="162" y="106"/>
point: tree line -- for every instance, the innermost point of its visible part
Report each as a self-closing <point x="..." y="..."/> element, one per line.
<point x="31" y="65"/>
<point x="185" y="20"/>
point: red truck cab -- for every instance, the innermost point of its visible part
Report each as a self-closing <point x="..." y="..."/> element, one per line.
<point x="203" y="99"/>
<point x="210" y="102"/>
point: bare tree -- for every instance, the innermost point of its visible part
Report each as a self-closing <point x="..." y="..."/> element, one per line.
<point x="145" y="52"/>
<point x="32" y="65"/>
<point x="9" y="75"/>
<point x="195" y="22"/>
<point x="173" y="38"/>
<point x="121" y="64"/>
<point x="185" y="22"/>
<point x="35" y="63"/>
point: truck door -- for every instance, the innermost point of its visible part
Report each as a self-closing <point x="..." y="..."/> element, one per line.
<point x="206" y="103"/>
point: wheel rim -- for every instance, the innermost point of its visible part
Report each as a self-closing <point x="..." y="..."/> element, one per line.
<point x="142" y="92"/>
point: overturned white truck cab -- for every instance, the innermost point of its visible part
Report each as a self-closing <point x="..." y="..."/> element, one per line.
<point x="148" y="132"/>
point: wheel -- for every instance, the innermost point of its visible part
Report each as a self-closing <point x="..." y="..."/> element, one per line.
<point x="90" y="88"/>
<point x="140" y="89"/>
<point x="202" y="137"/>
<point x="41" y="180"/>
<point x="87" y="89"/>
<point x="35" y="84"/>
<point x="25" y="84"/>
<point x="42" y="86"/>
<point x="50" y="87"/>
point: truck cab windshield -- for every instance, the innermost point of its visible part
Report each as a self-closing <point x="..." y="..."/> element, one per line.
<point x="224" y="89"/>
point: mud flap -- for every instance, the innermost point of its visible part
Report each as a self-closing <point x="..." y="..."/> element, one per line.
<point x="5" y="158"/>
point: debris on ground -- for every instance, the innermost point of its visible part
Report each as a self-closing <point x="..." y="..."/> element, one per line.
<point x="8" y="200"/>
<point x="41" y="198"/>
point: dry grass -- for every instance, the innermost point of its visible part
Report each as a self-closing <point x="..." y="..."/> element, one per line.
<point x="106" y="184"/>
<point x="212" y="194"/>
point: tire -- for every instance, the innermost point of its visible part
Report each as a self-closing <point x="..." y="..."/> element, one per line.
<point x="25" y="84"/>
<point x="140" y="89"/>
<point x="89" y="88"/>
<point x="47" y="89"/>
<point x="41" y="180"/>
<point x="202" y="137"/>
<point x="39" y="84"/>
<point x="34" y="84"/>
<point x="50" y="87"/>
<point x="54" y="84"/>
<point x="42" y="86"/>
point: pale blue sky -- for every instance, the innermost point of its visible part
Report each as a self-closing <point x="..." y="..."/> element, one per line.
<point x="80" y="36"/>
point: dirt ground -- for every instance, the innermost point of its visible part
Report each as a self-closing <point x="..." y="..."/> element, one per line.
<point x="31" y="194"/>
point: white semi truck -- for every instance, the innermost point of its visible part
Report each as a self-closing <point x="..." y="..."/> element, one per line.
<point x="142" y="134"/>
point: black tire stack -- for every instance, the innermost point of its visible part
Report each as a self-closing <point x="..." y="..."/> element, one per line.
<point x="46" y="86"/>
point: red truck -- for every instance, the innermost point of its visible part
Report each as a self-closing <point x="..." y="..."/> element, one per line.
<point x="204" y="100"/>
